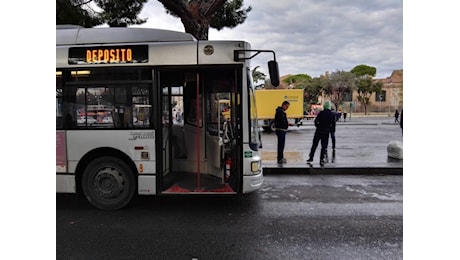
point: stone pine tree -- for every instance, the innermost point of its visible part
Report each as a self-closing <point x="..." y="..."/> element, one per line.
<point x="297" y="81"/>
<point x="362" y="70"/>
<point x="116" y="13"/>
<point x="198" y="16"/>
<point x="365" y="84"/>
<point x="121" y="13"/>
<point x="76" y="12"/>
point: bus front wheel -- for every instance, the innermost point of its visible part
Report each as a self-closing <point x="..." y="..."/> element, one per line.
<point x="108" y="183"/>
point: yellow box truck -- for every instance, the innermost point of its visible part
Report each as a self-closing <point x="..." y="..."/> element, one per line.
<point x="267" y="100"/>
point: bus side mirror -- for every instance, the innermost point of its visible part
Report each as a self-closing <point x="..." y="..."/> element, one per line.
<point x="274" y="73"/>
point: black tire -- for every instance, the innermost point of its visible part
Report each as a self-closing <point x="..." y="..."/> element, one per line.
<point x="108" y="183"/>
<point x="272" y="126"/>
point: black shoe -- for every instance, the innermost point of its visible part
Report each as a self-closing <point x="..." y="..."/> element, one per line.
<point x="310" y="160"/>
<point x="322" y="162"/>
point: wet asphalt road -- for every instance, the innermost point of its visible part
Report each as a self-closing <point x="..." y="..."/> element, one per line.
<point x="291" y="217"/>
<point x="361" y="142"/>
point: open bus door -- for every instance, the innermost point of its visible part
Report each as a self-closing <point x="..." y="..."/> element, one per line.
<point x="200" y="146"/>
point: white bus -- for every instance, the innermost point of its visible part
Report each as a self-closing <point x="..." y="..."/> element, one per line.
<point x="136" y="114"/>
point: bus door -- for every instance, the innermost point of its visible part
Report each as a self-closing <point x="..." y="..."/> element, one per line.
<point x="173" y="144"/>
<point x="199" y="131"/>
<point x="175" y="157"/>
<point x="221" y="132"/>
<point x="220" y="95"/>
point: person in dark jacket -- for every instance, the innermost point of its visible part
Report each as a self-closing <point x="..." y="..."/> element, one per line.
<point x="281" y="125"/>
<point x="333" y="129"/>
<point x="324" y="122"/>
<point x="401" y="122"/>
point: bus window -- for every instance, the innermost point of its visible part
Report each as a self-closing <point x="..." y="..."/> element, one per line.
<point x="95" y="106"/>
<point x="92" y="101"/>
<point x="141" y="109"/>
<point x="219" y="112"/>
<point x="224" y="105"/>
<point x="59" y="107"/>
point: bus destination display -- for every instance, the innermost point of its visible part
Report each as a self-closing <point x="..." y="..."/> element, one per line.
<point x="108" y="54"/>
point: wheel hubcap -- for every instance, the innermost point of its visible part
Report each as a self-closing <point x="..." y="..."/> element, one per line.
<point x="108" y="183"/>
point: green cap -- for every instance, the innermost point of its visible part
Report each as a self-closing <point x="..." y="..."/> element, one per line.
<point x="327" y="105"/>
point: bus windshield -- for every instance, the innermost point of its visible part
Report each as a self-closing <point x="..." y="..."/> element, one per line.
<point x="254" y="134"/>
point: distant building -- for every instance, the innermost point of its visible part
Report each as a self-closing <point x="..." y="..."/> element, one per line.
<point x="388" y="101"/>
<point x="391" y="97"/>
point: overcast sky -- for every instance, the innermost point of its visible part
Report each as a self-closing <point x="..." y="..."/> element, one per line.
<point x="312" y="37"/>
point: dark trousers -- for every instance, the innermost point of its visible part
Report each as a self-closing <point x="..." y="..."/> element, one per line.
<point x="333" y="140"/>
<point x="281" y="142"/>
<point x="324" y="137"/>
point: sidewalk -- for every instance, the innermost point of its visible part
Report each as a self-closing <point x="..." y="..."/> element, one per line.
<point x="361" y="148"/>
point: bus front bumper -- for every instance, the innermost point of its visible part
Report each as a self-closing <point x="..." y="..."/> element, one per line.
<point x="252" y="182"/>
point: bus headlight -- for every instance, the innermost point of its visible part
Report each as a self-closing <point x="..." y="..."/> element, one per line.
<point x="255" y="166"/>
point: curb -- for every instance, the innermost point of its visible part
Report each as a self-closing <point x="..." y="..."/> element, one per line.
<point x="334" y="170"/>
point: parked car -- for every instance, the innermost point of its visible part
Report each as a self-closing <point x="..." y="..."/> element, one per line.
<point x="107" y="120"/>
<point x="83" y="119"/>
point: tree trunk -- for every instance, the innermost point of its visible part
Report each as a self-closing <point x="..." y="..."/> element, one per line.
<point x="196" y="27"/>
<point x="195" y="15"/>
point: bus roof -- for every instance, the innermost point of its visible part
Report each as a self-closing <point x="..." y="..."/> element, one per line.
<point x="74" y="35"/>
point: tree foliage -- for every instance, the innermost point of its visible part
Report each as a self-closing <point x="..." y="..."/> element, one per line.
<point x="121" y="13"/>
<point x="298" y="80"/>
<point x="230" y="15"/>
<point x="258" y="76"/>
<point x="116" y="13"/>
<point x="77" y="12"/>
<point x="362" y="70"/>
<point x="338" y="84"/>
<point x="198" y="16"/>
<point x="314" y="88"/>
<point x="365" y="85"/>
